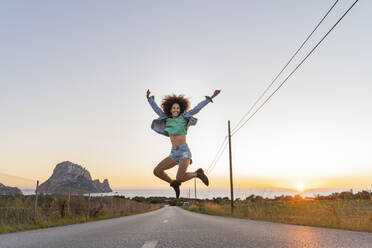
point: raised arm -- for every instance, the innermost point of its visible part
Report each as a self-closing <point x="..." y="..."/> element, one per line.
<point x="200" y="105"/>
<point x="154" y="106"/>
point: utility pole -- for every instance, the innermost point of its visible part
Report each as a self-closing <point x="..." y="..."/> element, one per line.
<point x="36" y="196"/>
<point x="231" y="176"/>
<point x="68" y="205"/>
<point x="88" y="206"/>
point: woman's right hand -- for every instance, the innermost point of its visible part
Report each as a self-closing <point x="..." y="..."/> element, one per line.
<point x="216" y="92"/>
<point x="148" y="94"/>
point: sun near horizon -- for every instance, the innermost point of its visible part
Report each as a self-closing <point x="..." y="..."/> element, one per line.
<point x="300" y="187"/>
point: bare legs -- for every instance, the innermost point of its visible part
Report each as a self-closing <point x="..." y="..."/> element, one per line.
<point x="182" y="175"/>
<point x="168" y="163"/>
<point x="165" y="164"/>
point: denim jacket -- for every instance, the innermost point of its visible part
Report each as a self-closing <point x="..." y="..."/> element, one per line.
<point x="158" y="125"/>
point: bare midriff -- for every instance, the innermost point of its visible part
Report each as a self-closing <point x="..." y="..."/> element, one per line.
<point x="177" y="140"/>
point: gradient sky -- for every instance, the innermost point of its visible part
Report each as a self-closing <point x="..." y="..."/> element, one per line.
<point x="74" y="75"/>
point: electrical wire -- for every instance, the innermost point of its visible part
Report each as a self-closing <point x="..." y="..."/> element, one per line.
<point x="293" y="71"/>
<point x="286" y="65"/>
<point x="218" y="155"/>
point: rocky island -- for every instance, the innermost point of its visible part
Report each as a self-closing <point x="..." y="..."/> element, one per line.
<point x="70" y="177"/>
<point x="5" y="190"/>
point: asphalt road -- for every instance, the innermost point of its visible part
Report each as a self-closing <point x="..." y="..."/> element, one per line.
<point x="175" y="227"/>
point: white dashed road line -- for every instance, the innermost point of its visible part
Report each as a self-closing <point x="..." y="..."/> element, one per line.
<point x="165" y="221"/>
<point x="150" y="244"/>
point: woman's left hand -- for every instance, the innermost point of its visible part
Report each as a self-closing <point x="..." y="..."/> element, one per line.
<point x="216" y="92"/>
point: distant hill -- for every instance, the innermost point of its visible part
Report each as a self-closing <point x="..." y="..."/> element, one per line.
<point x="68" y="176"/>
<point x="4" y="190"/>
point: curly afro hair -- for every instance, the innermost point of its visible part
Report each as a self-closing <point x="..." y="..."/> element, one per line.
<point x="169" y="100"/>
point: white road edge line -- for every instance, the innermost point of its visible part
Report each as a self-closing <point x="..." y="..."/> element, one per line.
<point x="150" y="244"/>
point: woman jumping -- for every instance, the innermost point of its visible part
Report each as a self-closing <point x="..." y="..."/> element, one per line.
<point x="174" y="120"/>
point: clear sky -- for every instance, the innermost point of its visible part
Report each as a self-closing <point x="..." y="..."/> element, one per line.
<point x="74" y="75"/>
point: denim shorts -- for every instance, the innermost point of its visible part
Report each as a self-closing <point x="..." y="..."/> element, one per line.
<point x="180" y="152"/>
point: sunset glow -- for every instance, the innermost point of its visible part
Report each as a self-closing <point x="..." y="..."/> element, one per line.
<point x="300" y="186"/>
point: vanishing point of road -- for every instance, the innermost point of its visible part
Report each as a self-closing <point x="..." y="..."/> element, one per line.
<point x="175" y="227"/>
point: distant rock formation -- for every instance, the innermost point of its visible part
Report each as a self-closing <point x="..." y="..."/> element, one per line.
<point x="72" y="177"/>
<point x="4" y="190"/>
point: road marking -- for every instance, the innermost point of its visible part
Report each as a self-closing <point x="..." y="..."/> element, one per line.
<point x="165" y="221"/>
<point x="150" y="244"/>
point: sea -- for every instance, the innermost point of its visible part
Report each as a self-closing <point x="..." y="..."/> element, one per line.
<point x="214" y="193"/>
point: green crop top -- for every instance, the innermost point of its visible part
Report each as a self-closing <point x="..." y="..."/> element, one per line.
<point x="176" y="125"/>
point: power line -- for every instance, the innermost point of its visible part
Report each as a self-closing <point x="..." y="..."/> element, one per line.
<point x="219" y="153"/>
<point x="217" y="156"/>
<point x="280" y="73"/>
<point x="312" y="50"/>
<point x="269" y="86"/>
<point x="217" y="159"/>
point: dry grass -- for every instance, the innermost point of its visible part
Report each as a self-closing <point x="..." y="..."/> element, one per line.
<point x="348" y="214"/>
<point x="18" y="212"/>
